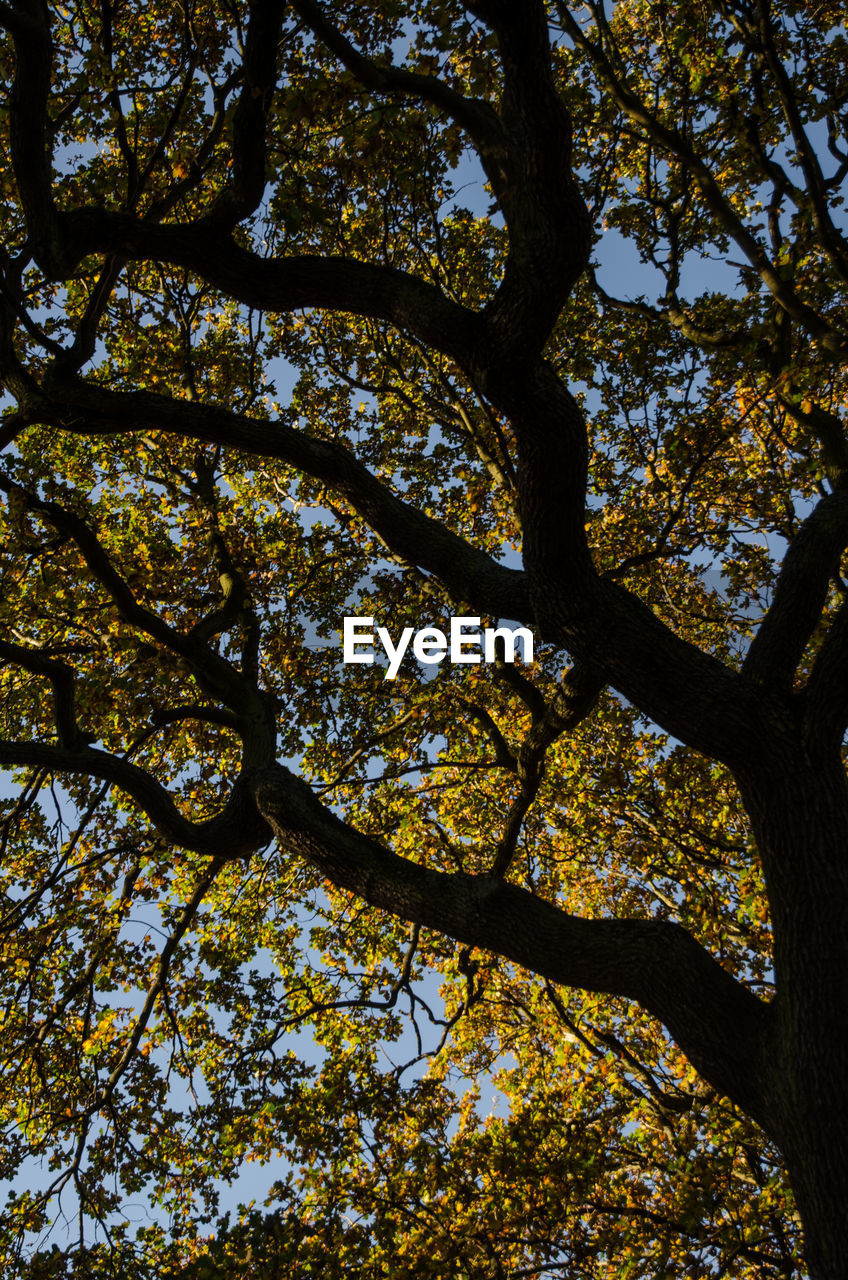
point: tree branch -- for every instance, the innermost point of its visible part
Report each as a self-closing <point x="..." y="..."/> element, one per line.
<point x="825" y="695"/>
<point x="672" y="311"/>
<point x="235" y="832"/>
<point x="243" y="194"/>
<point x="292" y="283"/>
<point x="62" y="679"/>
<point x="549" y="228"/>
<point x="688" y="692"/>
<point x="475" y="116"/>
<point x="721" y="1027"/>
<point x="30" y="139"/>
<point x="468" y="573"/>
<point x="672" y="141"/>
<point x="158" y="985"/>
<point x="828" y="429"/>
<point x="215" y="674"/>
<point x="800" y="594"/>
<point x="830" y="237"/>
<point x="572" y="702"/>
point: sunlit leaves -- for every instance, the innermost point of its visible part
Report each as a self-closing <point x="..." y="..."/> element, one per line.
<point x="429" y="1110"/>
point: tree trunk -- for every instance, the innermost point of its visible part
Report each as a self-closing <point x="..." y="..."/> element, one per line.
<point x="800" y="819"/>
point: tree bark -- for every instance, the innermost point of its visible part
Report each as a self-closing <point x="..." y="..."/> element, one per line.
<point x="800" y="820"/>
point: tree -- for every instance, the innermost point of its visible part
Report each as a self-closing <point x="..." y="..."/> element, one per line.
<point x="628" y="861"/>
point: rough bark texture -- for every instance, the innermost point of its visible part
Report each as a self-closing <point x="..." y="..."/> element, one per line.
<point x="800" y="815"/>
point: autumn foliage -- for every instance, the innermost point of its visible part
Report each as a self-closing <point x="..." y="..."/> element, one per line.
<point x="533" y="312"/>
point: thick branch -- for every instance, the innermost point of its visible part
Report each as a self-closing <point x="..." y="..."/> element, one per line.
<point x="469" y="574"/>
<point x="476" y="117"/>
<point x="525" y="153"/>
<point x="546" y="216"/>
<point x="30" y="143"/>
<point x="242" y="196"/>
<point x="285" y="284"/>
<point x="800" y="594"/>
<point x="61" y="678"/>
<point x="719" y="1025"/>
<point x="688" y="692"/>
<point x="825" y="697"/>
<point x="237" y="831"/>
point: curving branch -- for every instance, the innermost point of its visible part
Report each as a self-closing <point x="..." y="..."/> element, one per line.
<point x="241" y="197"/>
<point x="62" y="680"/>
<point x="550" y="234"/>
<point x="526" y="153"/>
<point x="691" y="694"/>
<point x="475" y="116"/>
<point x="525" y="150"/>
<point x="468" y="573"/>
<point x="236" y="831"/>
<point x="330" y="282"/>
<point x="825" y="695"/>
<point x="719" y="1024"/>
<point x="800" y="594"/>
<point x="30" y="135"/>
<point x="688" y="692"/>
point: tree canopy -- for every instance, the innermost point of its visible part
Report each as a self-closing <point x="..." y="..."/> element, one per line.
<point x="521" y="311"/>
